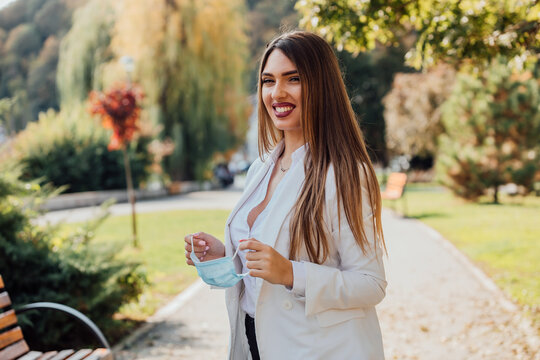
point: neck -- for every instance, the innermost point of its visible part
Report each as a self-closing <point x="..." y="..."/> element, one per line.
<point x="293" y="140"/>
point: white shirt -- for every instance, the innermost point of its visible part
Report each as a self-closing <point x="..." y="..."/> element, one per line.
<point x="240" y="230"/>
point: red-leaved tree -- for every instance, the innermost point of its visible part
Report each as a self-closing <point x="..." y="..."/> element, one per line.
<point x="119" y="109"/>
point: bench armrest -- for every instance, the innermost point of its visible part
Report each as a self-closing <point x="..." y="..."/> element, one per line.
<point x="89" y="324"/>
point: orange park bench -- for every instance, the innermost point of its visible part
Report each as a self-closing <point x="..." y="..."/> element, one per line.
<point x="395" y="189"/>
<point x="12" y="343"/>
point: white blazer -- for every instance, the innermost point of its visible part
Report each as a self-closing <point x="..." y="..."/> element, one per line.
<point x="336" y="318"/>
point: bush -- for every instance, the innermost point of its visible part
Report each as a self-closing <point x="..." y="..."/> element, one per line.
<point x="492" y="124"/>
<point x="40" y="264"/>
<point x="70" y="148"/>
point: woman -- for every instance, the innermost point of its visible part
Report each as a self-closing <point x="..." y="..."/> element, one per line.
<point x="313" y="254"/>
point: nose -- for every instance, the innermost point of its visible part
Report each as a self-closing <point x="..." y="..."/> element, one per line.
<point x="279" y="91"/>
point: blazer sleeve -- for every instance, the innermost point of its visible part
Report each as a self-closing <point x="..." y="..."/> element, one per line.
<point x="359" y="279"/>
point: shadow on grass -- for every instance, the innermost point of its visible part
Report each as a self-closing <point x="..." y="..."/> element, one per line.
<point x="426" y="215"/>
<point x="121" y="328"/>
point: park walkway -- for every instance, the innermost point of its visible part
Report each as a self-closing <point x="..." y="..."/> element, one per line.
<point x="438" y="306"/>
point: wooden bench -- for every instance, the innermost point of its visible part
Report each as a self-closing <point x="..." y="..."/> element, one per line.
<point x="12" y="343"/>
<point x="395" y="188"/>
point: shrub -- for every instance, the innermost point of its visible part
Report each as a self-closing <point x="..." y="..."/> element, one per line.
<point x="492" y="124"/>
<point x="70" y="148"/>
<point x="40" y="264"/>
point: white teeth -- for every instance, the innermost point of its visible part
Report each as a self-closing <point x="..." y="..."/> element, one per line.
<point x="284" y="109"/>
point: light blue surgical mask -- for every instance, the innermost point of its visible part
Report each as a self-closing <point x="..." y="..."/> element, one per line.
<point x="219" y="272"/>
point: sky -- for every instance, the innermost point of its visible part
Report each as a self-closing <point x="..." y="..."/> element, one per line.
<point x="5" y="2"/>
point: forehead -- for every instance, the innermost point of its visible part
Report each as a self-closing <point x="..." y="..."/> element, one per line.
<point x="278" y="63"/>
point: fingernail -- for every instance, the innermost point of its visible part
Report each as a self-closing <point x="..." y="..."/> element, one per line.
<point x="206" y="248"/>
<point x="202" y="243"/>
<point x="242" y="240"/>
<point x="204" y="253"/>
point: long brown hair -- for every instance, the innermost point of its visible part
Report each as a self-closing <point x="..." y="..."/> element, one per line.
<point x="333" y="136"/>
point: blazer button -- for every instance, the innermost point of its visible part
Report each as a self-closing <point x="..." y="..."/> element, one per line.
<point x="287" y="305"/>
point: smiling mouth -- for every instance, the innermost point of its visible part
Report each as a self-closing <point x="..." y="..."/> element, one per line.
<point x="282" y="110"/>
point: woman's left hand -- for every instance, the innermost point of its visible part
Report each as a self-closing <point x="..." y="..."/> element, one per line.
<point x="266" y="263"/>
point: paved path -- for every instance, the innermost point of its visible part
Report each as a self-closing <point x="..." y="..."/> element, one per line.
<point x="437" y="306"/>
<point x="225" y="199"/>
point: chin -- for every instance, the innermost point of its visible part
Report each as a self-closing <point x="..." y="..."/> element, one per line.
<point x="287" y="125"/>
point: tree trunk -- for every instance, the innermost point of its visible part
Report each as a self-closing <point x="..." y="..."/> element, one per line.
<point x="131" y="196"/>
<point x="496" y="195"/>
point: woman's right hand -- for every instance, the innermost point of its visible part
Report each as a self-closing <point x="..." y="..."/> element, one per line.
<point x="206" y="247"/>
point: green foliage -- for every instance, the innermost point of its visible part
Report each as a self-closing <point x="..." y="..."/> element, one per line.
<point x="41" y="78"/>
<point x="70" y="148"/>
<point x="492" y="126"/>
<point x="23" y="40"/>
<point x="193" y="72"/>
<point x="266" y="18"/>
<point x="52" y="17"/>
<point x="446" y="30"/>
<point x="39" y="264"/>
<point x="368" y="78"/>
<point x="83" y="52"/>
<point x="30" y="31"/>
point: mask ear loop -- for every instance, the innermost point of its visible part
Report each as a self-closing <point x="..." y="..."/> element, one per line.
<point x="236" y="253"/>
<point x="193" y="257"/>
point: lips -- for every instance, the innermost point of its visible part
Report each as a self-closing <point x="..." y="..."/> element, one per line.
<point x="283" y="109"/>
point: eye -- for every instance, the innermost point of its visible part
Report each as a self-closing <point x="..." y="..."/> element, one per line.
<point x="267" y="80"/>
<point x="295" y="79"/>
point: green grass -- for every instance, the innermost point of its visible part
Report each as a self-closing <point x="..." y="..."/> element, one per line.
<point x="503" y="240"/>
<point x="161" y="251"/>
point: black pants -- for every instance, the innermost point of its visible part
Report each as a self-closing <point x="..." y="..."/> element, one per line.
<point x="252" y="339"/>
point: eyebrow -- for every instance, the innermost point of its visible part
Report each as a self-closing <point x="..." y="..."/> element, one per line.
<point x="284" y="74"/>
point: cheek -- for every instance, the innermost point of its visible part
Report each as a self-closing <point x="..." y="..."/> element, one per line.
<point x="267" y="100"/>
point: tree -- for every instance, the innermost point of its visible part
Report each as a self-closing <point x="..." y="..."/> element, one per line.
<point x="83" y="52"/>
<point x="52" y="17"/>
<point x="413" y="111"/>
<point x="451" y="31"/>
<point x="41" y="80"/>
<point x="23" y="40"/>
<point x="193" y="72"/>
<point x="266" y="18"/>
<point x="30" y="31"/>
<point x="492" y="124"/>
<point x="368" y="77"/>
<point x="120" y="110"/>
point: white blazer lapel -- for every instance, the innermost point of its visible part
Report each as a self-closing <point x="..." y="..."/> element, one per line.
<point x="284" y="204"/>
<point x="253" y="184"/>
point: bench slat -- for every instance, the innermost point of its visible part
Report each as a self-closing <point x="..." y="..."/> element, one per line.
<point x="14" y="351"/>
<point x="4" y="300"/>
<point x="100" y="354"/>
<point x="32" y="355"/>
<point x="62" y="355"/>
<point x="48" y="355"/>
<point x="11" y="336"/>
<point x="7" y="319"/>
<point x="79" y="355"/>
